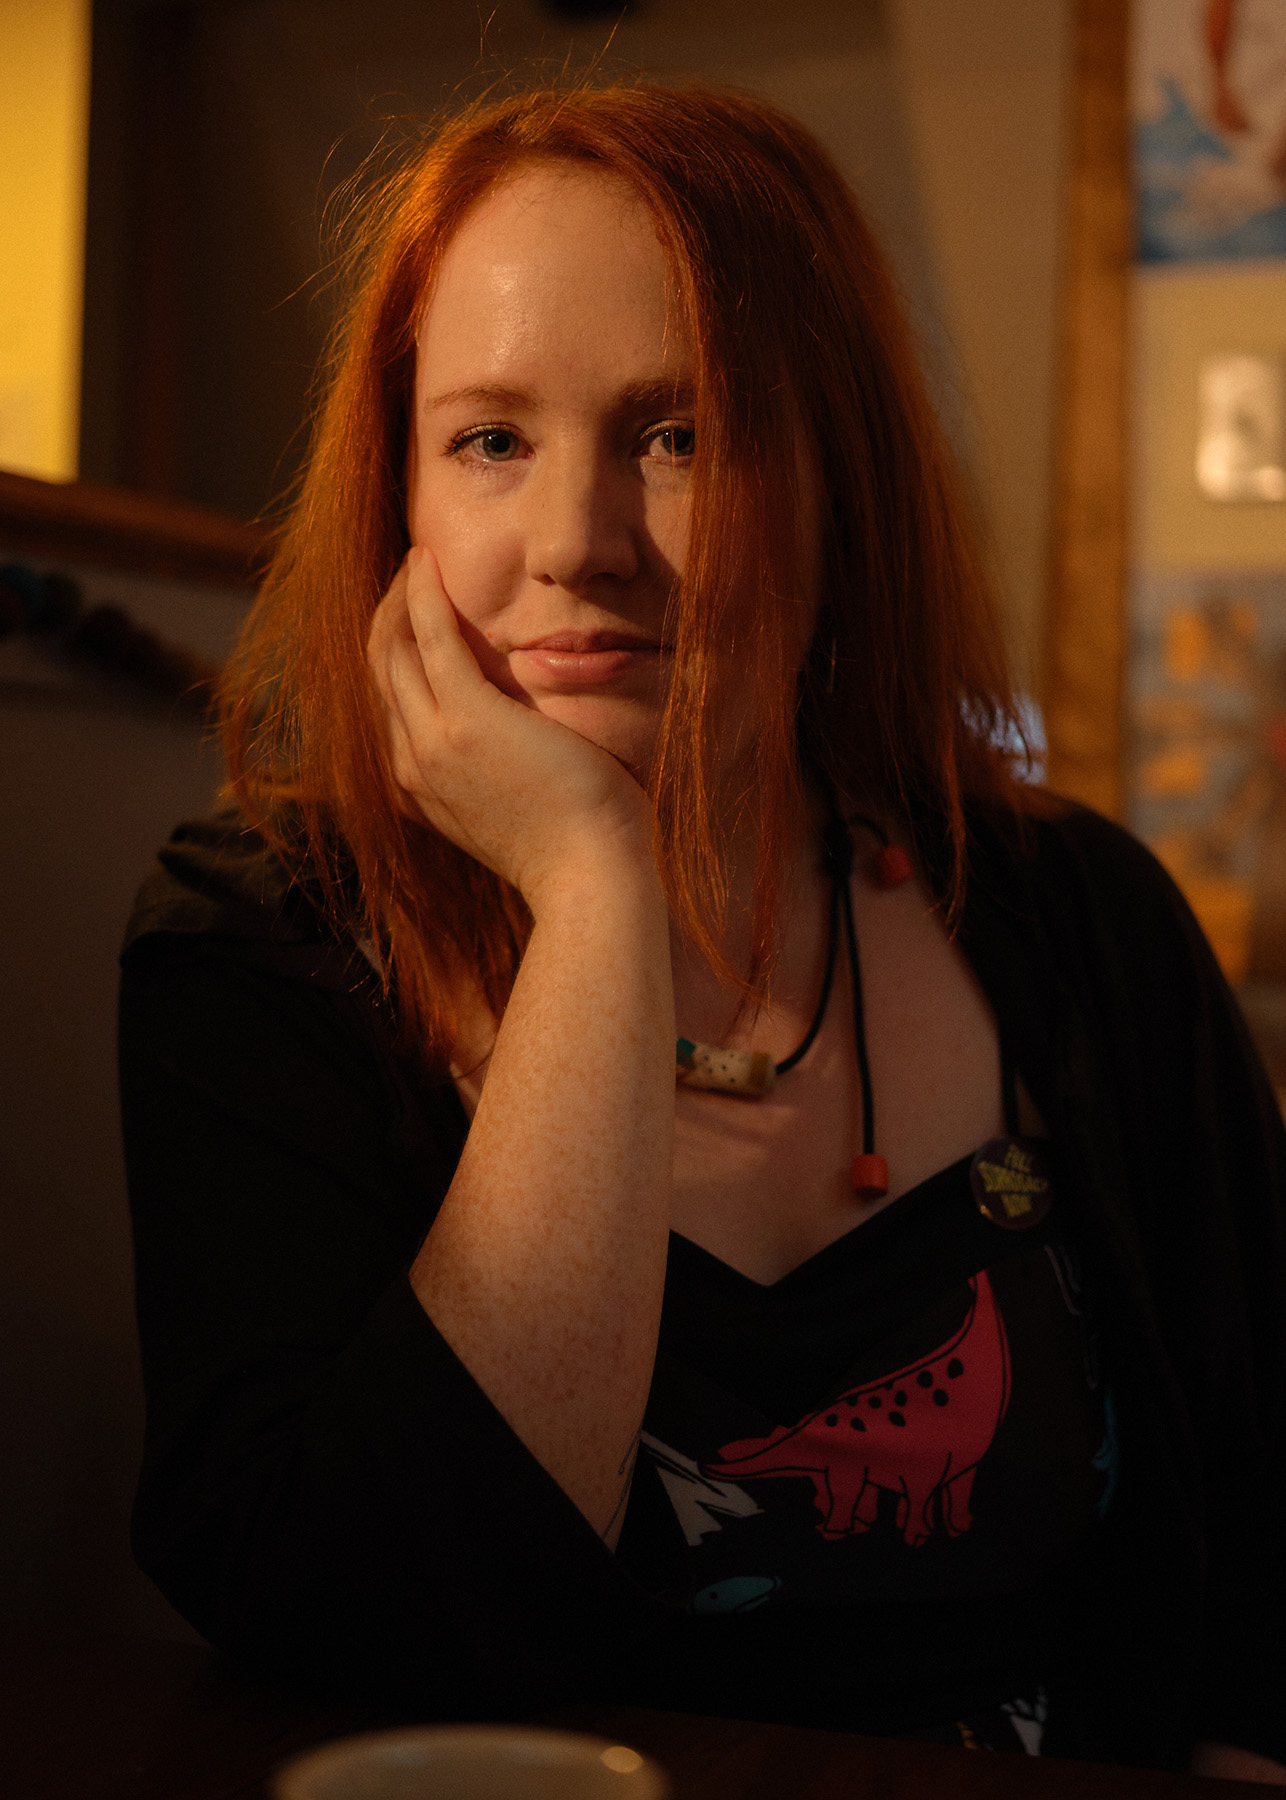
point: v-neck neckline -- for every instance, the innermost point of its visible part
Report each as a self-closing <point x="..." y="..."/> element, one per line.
<point x="890" y="1219"/>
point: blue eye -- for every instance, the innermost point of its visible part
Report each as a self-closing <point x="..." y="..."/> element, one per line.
<point x="497" y="445"/>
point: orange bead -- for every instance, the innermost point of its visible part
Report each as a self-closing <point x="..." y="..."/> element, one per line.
<point x="870" y="1177"/>
<point x="892" y="867"/>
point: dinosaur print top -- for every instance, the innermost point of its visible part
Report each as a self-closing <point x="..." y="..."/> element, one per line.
<point x="915" y="1418"/>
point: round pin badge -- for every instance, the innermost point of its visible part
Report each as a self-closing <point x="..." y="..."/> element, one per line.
<point x="1010" y="1181"/>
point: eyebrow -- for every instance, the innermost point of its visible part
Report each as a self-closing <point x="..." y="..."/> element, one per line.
<point x="636" y="396"/>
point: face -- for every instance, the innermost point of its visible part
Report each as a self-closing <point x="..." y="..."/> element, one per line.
<point x="550" y="468"/>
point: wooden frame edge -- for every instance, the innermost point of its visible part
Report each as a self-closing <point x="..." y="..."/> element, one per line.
<point x="78" y="522"/>
<point x="1088" y="630"/>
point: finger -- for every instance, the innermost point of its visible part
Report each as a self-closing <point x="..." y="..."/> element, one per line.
<point x="406" y="681"/>
<point x="383" y="620"/>
<point x="393" y="655"/>
<point x="451" y="667"/>
<point x="412" y="722"/>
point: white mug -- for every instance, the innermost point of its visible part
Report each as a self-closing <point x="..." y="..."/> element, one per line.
<point x="472" y="1762"/>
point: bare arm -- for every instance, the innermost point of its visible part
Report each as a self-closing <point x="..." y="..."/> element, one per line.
<point x="544" y="1269"/>
<point x="1228" y="1763"/>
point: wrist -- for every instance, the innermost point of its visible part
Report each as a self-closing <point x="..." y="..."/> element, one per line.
<point x="612" y="869"/>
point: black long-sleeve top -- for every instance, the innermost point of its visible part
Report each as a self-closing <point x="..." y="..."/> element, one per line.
<point x="326" y="1489"/>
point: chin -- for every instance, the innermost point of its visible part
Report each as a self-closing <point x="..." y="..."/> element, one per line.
<point x="626" y="730"/>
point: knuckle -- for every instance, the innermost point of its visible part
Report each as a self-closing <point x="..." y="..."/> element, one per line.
<point x="459" y="736"/>
<point x="403" y="765"/>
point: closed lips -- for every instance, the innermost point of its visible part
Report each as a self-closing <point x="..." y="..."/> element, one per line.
<point x="588" y="643"/>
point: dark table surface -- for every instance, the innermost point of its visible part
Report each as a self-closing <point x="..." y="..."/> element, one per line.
<point x="117" y="1719"/>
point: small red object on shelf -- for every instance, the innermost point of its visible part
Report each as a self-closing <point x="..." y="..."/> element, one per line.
<point x="870" y="1177"/>
<point x="892" y="867"/>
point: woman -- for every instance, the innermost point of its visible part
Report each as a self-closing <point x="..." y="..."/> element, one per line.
<point x="626" y="677"/>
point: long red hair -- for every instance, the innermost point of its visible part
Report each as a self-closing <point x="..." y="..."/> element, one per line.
<point x="903" y="701"/>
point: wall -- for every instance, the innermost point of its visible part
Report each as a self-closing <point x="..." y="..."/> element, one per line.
<point x="985" y="90"/>
<point x="94" y="777"/>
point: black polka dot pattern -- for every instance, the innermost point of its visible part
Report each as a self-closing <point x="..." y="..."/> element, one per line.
<point x="921" y="1444"/>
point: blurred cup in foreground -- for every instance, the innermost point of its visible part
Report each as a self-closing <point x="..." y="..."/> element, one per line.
<point x="472" y="1762"/>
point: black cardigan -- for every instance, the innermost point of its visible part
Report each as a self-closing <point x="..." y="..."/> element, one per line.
<point x="302" y="1499"/>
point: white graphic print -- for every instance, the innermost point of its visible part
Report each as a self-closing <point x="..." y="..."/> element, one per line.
<point x="700" y="1503"/>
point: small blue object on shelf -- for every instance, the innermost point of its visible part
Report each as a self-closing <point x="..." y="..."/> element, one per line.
<point x="49" y="603"/>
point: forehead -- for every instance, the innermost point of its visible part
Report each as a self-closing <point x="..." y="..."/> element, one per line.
<point x="557" y="270"/>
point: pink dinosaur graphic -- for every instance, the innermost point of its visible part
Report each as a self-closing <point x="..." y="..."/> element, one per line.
<point x="920" y="1434"/>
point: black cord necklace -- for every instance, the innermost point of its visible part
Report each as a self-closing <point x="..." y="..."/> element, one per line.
<point x="750" y="1074"/>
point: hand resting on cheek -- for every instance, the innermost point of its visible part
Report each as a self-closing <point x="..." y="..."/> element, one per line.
<point x="523" y="794"/>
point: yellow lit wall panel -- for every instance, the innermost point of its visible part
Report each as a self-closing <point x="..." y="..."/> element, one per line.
<point x="44" y="106"/>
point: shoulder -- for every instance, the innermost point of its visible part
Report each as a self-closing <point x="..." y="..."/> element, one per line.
<point x="213" y="875"/>
<point x="1119" y="1011"/>
<point x="1106" y="855"/>
<point x="219" y="889"/>
<point x="1067" y="913"/>
<point x="1085" y="880"/>
<point x="235" y="984"/>
<point x="224" y="948"/>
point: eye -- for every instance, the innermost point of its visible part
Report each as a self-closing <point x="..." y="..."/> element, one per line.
<point x="490" y="443"/>
<point x="498" y="446"/>
<point x="672" y="443"/>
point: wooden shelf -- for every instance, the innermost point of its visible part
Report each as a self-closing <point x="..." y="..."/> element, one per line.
<point x="76" y="522"/>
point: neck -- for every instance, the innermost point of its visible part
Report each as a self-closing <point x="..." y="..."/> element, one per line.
<point x="712" y="1011"/>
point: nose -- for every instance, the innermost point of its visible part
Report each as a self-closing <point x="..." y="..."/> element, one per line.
<point x="583" y="523"/>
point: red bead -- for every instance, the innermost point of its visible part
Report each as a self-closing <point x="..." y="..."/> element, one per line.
<point x="892" y="867"/>
<point x="870" y="1177"/>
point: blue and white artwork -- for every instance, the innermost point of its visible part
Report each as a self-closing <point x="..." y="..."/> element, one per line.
<point x="1207" y="769"/>
<point x="1209" y="128"/>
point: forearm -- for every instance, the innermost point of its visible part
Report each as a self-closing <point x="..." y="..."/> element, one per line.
<point x="324" y="1486"/>
<point x="545" y="1267"/>
<point x="1229" y="1763"/>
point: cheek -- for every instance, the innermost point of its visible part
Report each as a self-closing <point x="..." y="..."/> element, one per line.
<point x="473" y="554"/>
<point x="478" y="565"/>
<point x="668" y="518"/>
<point x="493" y="665"/>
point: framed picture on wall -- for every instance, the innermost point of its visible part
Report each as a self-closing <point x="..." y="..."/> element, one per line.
<point x="1205" y="693"/>
<point x="1208" y="105"/>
